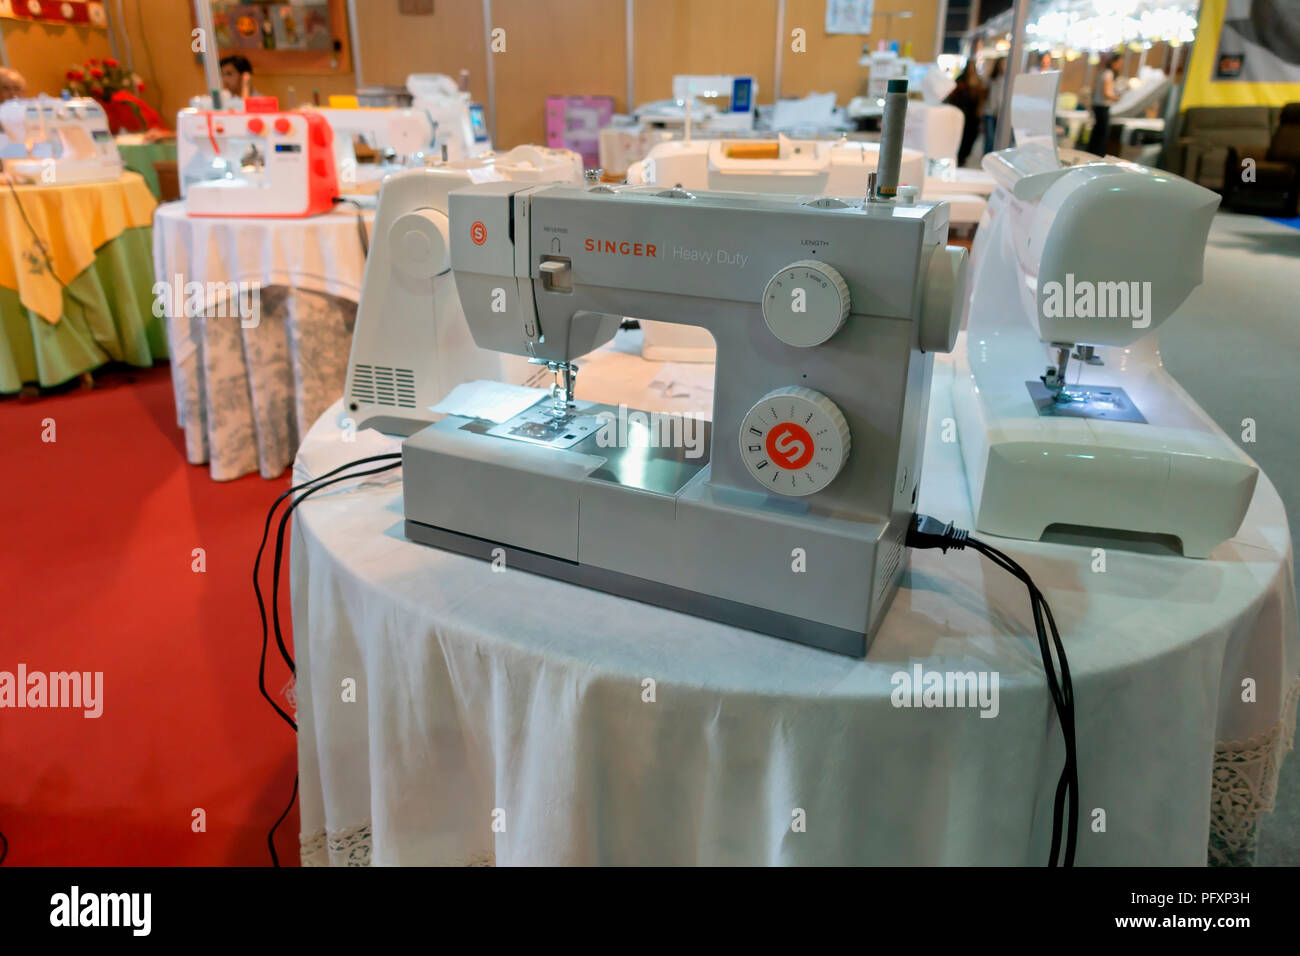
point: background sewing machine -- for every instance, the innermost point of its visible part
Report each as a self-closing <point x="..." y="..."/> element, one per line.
<point x="56" y="142"/>
<point x="261" y="162"/>
<point x="460" y="125"/>
<point x="371" y="142"/>
<point x="716" y="105"/>
<point x="411" y="345"/>
<point x="1075" y="265"/>
<point x="818" y="418"/>
<point x="799" y="167"/>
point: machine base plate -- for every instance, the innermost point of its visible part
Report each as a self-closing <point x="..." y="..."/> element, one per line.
<point x="822" y="636"/>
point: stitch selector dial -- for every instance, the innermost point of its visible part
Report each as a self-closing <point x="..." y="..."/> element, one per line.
<point x="805" y="303"/>
<point x="794" y="441"/>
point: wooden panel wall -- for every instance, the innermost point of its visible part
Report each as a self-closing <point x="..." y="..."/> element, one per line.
<point x="831" y="63"/>
<point x="552" y="47"/>
<point x="44" y="53"/>
<point x="703" y="36"/>
<point x="559" y="48"/>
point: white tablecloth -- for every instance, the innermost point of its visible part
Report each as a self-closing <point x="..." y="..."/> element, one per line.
<point x="244" y="396"/>
<point x="506" y="717"/>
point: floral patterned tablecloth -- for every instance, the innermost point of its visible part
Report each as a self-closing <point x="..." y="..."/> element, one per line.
<point x="247" y="389"/>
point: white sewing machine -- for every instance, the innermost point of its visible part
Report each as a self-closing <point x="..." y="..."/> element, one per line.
<point x="263" y="162"/>
<point x="1079" y="261"/>
<point x="57" y="142"/>
<point x="717" y="102"/>
<point x="800" y="167"/>
<point x="392" y="137"/>
<point x="716" y="105"/>
<point x="460" y="126"/>
<point x="411" y="346"/>
<point x="825" y="313"/>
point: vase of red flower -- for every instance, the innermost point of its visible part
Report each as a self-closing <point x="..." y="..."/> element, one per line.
<point x="118" y="90"/>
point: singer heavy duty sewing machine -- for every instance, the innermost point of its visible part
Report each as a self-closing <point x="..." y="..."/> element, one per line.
<point x="411" y="345"/>
<point x="58" y="142"/>
<point x="1075" y="265"/>
<point x="825" y="313"/>
<point x="261" y="162"/>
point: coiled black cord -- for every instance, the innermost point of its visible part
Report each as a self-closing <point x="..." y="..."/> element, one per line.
<point x="926" y="532"/>
<point x="308" y="488"/>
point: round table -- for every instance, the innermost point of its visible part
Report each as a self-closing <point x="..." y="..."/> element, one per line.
<point x="510" y="718"/>
<point x="76" y="280"/>
<point x="248" y="388"/>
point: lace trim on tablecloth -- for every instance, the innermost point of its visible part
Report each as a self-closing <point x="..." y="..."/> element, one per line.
<point x="1244" y="786"/>
<point x="353" y="846"/>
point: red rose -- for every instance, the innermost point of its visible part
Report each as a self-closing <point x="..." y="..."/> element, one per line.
<point x="92" y="61"/>
<point x="97" y="90"/>
<point x="76" y="74"/>
<point x="139" y="87"/>
<point x="97" y="73"/>
<point x="110" y="62"/>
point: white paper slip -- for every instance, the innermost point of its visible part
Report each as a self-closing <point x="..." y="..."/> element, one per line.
<point x="494" y="401"/>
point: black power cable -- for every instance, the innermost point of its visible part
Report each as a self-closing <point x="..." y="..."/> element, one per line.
<point x="308" y="488"/>
<point x="926" y="532"/>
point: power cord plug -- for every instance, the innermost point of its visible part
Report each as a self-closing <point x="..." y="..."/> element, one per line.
<point x="925" y="532"/>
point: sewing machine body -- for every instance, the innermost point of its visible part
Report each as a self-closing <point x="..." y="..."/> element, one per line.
<point x="411" y="345"/>
<point x="1117" y="449"/>
<point x="460" y="125"/>
<point x="790" y="530"/>
<point x="398" y="138"/>
<point x="781" y="166"/>
<point x="263" y="162"/>
<point x="57" y="142"/>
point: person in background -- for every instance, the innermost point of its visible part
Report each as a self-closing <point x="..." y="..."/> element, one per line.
<point x="993" y="101"/>
<point x="237" y="76"/>
<point x="12" y="84"/>
<point x="967" y="96"/>
<point x="1042" y="64"/>
<point x="1104" y="93"/>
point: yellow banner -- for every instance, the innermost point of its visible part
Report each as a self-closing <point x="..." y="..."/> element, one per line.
<point x="1247" y="53"/>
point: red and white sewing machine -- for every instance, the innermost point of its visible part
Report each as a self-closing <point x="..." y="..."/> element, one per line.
<point x="262" y="161"/>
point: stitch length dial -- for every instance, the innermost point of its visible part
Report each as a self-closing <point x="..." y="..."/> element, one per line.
<point x="794" y="441"/>
<point x="805" y="303"/>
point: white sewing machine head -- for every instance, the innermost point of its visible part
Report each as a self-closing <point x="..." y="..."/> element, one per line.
<point x="262" y="162"/>
<point x="807" y="167"/>
<point x="1082" y="259"/>
<point x="57" y="142"/>
<point x="411" y="346"/>
<point x="460" y="125"/>
<point x="390" y="138"/>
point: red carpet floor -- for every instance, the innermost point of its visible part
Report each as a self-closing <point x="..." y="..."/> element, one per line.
<point x="99" y="527"/>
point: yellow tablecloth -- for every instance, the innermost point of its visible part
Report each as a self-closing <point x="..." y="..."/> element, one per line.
<point x="72" y="221"/>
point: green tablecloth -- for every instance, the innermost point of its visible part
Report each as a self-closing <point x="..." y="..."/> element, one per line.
<point x="107" y="316"/>
<point x="141" y="158"/>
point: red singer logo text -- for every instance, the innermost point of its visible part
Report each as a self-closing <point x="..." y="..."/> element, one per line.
<point x="790" y="446"/>
<point x="623" y="248"/>
<point x="478" y="232"/>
